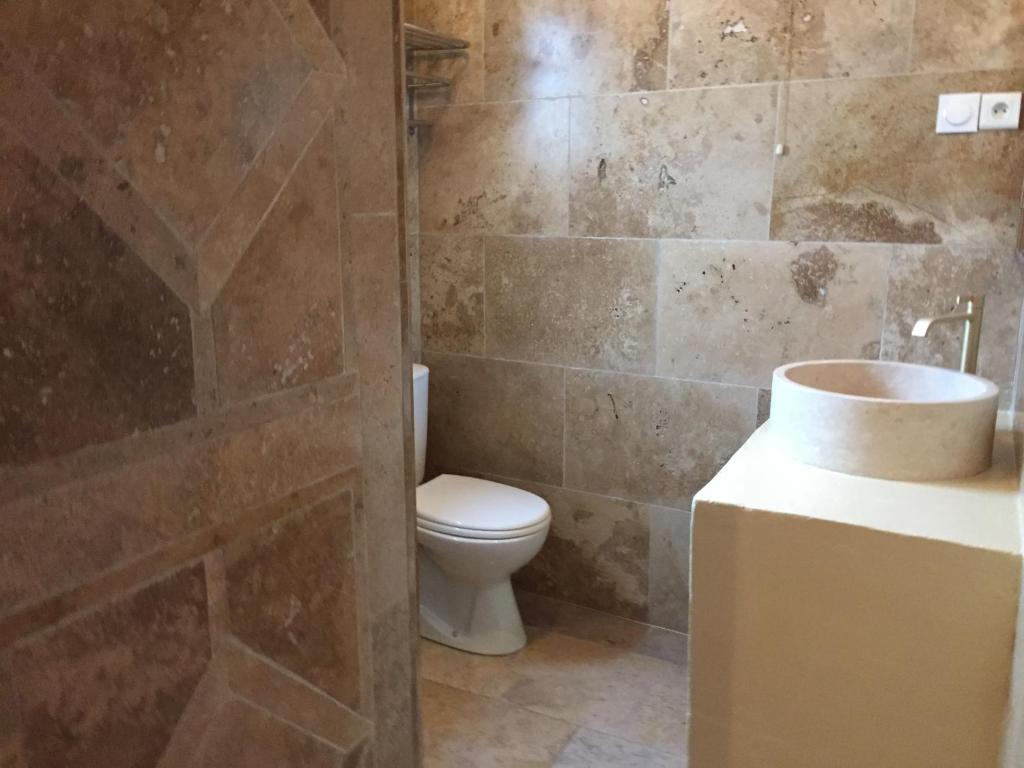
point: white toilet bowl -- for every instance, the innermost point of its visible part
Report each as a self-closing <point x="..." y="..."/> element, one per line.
<point x="473" y="535"/>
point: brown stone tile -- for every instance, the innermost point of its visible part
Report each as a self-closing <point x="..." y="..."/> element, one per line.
<point x="108" y="688"/>
<point x="384" y="375"/>
<point x="277" y="323"/>
<point x="652" y="440"/>
<point x="495" y="416"/>
<point x="291" y="699"/>
<point x="369" y="124"/>
<point x="310" y="21"/>
<point x="544" y="48"/>
<point x="695" y="164"/>
<point x="668" y="601"/>
<point x="244" y="735"/>
<point x="198" y="718"/>
<point x="488" y="676"/>
<point x="735" y="311"/>
<point x="720" y="43"/>
<point x="462" y="730"/>
<point x="864" y="164"/>
<point x="496" y="167"/>
<point x="840" y="38"/>
<point x="94" y="345"/>
<point x="9" y="719"/>
<point x="593" y="749"/>
<point x="452" y="293"/>
<point x="925" y="281"/>
<point x="571" y="301"/>
<point x="764" y="405"/>
<point x="463" y="19"/>
<point x="292" y="596"/>
<point x="172" y="94"/>
<point x="67" y="151"/>
<point x="543" y="614"/>
<point x="396" y="688"/>
<point x="597" y="553"/>
<point x="634" y="697"/>
<point x="151" y="503"/>
<point x="239" y="222"/>
<point x="968" y="34"/>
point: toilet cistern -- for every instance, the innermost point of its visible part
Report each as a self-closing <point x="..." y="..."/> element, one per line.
<point x="971" y="308"/>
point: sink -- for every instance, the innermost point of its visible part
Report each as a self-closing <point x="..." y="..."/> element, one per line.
<point x="895" y="421"/>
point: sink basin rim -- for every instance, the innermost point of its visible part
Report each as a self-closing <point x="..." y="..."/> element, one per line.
<point x="988" y="389"/>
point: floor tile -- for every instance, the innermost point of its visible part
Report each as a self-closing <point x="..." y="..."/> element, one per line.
<point x="592" y="749"/>
<point x="463" y="730"/>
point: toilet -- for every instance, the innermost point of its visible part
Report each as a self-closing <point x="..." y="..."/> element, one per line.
<point x="473" y="535"/>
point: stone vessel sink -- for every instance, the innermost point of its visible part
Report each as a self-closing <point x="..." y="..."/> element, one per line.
<point x="895" y="421"/>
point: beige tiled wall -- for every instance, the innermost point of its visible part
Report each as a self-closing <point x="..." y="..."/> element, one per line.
<point x="204" y="523"/>
<point x="613" y="258"/>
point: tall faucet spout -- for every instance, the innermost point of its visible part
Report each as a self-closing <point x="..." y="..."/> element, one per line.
<point x="970" y="314"/>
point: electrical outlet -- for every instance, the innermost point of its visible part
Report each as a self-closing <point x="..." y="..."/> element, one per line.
<point x="1000" y="112"/>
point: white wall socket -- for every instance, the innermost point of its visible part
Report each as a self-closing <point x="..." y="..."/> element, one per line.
<point x="958" y="113"/>
<point x="1000" y="112"/>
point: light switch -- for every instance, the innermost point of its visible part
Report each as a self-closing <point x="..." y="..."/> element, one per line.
<point x="1000" y="112"/>
<point x="958" y="113"/>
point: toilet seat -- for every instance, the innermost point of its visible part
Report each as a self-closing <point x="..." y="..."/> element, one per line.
<point x="467" y="507"/>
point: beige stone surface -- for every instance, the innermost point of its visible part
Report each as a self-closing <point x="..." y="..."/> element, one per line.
<point x="926" y="688"/>
<point x="597" y="553"/>
<point x="653" y="440"/>
<point x="693" y="164"/>
<point x="964" y="34"/>
<point x="668" y="601"/>
<point x="499" y="168"/>
<point x="267" y="341"/>
<point x="107" y="689"/>
<point x="545" y="48"/>
<point x="463" y="19"/>
<point x="495" y="416"/>
<point x="854" y="171"/>
<point x="925" y="281"/>
<point x="850" y="38"/>
<point x="463" y="730"/>
<point x="292" y="596"/>
<point x="594" y="749"/>
<point x="452" y="293"/>
<point x="572" y="301"/>
<point x="722" y="43"/>
<point x="735" y="311"/>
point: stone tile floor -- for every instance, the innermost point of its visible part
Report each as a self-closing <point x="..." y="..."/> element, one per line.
<point x="589" y="690"/>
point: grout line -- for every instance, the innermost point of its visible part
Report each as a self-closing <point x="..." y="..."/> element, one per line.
<point x="565" y="425"/>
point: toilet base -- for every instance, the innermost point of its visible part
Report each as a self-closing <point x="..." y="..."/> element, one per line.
<point x="479" y="618"/>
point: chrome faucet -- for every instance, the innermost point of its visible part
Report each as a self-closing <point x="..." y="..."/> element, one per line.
<point x="971" y="309"/>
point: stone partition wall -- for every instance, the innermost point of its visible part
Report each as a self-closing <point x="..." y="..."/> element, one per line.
<point x="205" y="538"/>
<point x="614" y="258"/>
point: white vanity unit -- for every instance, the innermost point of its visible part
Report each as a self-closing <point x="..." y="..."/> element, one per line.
<point x="844" y="620"/>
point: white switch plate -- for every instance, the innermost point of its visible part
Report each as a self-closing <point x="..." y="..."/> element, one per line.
<point x="1000" y="112"/>
<point x="958" y="113"/>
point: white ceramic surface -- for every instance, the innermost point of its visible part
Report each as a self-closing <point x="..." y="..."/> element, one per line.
<point x="894" y="421"/>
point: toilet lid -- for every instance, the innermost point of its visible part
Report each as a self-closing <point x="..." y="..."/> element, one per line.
<point x="469" y="504"/>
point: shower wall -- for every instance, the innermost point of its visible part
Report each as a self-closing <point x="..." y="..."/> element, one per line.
<point x="204" y="508"/>
<point x="630" y="213"/>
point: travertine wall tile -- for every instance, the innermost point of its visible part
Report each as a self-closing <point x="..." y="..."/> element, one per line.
<point x="544" y="48"/>
<point x="452" y="293"/>
<point x="850" y="38"/>
<point x="597" y="553"/>
<point x="968" y="34"/>
<point x="94" y="346"/>
<point x="572" y="301"/>
<point x="499" y="168"/>
<point x="718" y="42"/>
<point x="863" y="163"/>
<point x="734" y="311"/>
<point x="925" y="282"/>
<point x="668" y="602"/>
<point x="107" y="688"/>
<point x="278" y="321"/>
<point x="653" y="440"/>
<point x="292" y="596"/>
<point x="495" y="416"/>
<point x="463" y="19"/>
<point x="678" y="164"/>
